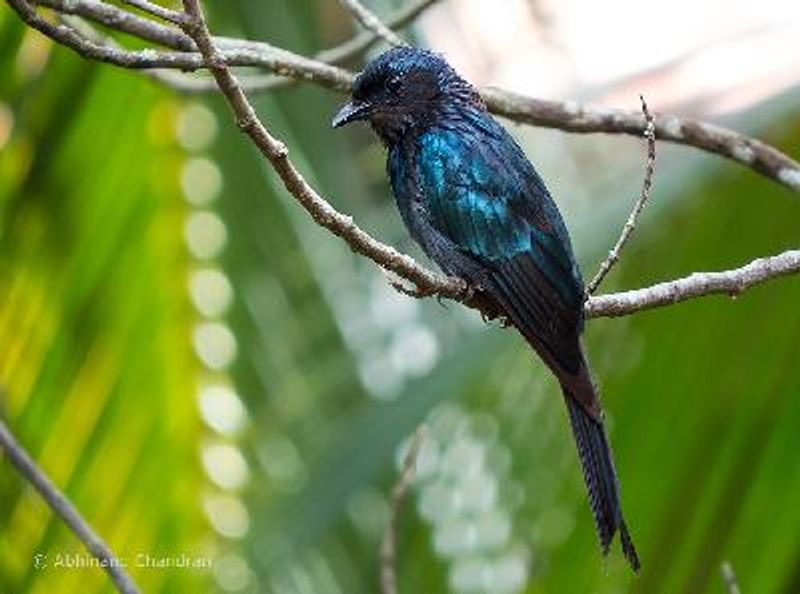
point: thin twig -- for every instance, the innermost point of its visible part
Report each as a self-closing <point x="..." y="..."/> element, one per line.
<point x="58" y="502"/>
<point x="235" y="52"/>
<point x="123" y="21"/>
<point x="568" y="116"/>
<point x="366" y="39"/>
<point x="426" y="282"/>
<point x="584" y="118"/>
<point x="699" y="284"/>
<point x="644" y="196"/>
<point x="371" y="22"/>
<point x="84" y="28"/>
<point x="729" y="577"/>
<point x="155" y="10"/>
<point x="389" y="542"/>
<point x="120" y="20"/>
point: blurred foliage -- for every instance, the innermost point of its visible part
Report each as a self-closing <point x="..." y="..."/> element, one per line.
<point x="114" y="197"/>
<point x="95" y="363"/>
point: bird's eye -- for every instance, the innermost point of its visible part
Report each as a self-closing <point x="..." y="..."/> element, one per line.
<point x="393" y="84"/>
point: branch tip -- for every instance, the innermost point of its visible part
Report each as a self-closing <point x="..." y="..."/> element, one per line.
<point x="388" y="551"/>
<point x="630" y="224"/>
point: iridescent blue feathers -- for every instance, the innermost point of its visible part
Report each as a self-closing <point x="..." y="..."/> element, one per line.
<point x="473" y="201"/>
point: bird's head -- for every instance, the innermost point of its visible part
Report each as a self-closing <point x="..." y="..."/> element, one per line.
<point x="404" y="88"/>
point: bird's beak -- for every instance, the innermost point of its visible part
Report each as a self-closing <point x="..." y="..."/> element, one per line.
<point x="350" y="112"/>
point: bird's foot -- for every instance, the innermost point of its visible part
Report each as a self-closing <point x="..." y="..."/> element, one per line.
<point x="412" y="291"/>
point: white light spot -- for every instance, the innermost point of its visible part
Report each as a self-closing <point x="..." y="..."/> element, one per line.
<point x="388" y="308"/>
<point x="467" y="575"/>
<point x="478" y="493"/>
<point x="227" y="515"/>
<point x="231" y="573"/>
<point x="427" y="461"/>
<point x="201" y="181"/>
<point x="504" y="575"/>
<point x="211" y="292"/>
<point x="456" y="536"/>
<point x="221" y="409"/>
<point x="225" y="466"/>
<point x="463" y="459"/>
<point x="436" y="502"/>
<point x="196" y="127"/>
<point x="509" y="573"/>
<point x="381" y="377"/>
<point x="415" y="350"/>
<point x="214" y="345"/>
<point x="205" y="234"/>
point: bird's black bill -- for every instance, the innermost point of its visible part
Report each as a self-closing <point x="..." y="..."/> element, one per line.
<point x="350" y="112"/>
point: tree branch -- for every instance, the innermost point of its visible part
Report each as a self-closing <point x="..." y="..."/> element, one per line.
<point x="58" y="502"/>
<point x="125" y="22"/>
<point x="363" y="41"/>
<point x="568" y="116"/>
<point x="155" y="10"/>
<point x="630" y="224"/>
<point x="122" y="21"/>
<point x="371" y="22"/>
<point x="699" y="284"/>
<point x="389" y="542"/>
<point x="425" y="282"/>
<point x="571" y="116"/>
<point x="219" y="54"/>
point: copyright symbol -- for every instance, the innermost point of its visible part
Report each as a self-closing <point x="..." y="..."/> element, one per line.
<point x="40" y="560"/>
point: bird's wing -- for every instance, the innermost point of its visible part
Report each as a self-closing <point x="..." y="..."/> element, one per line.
<point x="486" y="198"/>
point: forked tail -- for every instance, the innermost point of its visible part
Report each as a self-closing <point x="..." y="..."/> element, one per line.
<point x="600" y="477"/>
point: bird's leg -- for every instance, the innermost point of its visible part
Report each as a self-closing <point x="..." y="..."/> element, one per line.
<point x="489" y="309"/>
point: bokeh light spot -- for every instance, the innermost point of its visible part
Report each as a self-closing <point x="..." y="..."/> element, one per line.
<point x="227" y="515"/>
<point x="196" y="127"/>
<point x="211" y="292"/>
<point x="201" y="181"/>
<point x="214" y="344"/>
<point x="221" y="409"/>
<point x="205" y="234"/>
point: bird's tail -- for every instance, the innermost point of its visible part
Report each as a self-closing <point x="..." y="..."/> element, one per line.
<point x="600" y="476"/>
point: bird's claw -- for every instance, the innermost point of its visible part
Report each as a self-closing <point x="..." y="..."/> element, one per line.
<point x="467" y="293"/>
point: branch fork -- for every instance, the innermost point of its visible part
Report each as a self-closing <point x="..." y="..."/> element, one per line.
<point x="191" y="47"/>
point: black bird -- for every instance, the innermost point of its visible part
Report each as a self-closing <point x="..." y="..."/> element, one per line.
<point x="478" y="208"/>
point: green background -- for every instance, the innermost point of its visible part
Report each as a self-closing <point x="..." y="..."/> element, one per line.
<point x="99" y="378"/>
